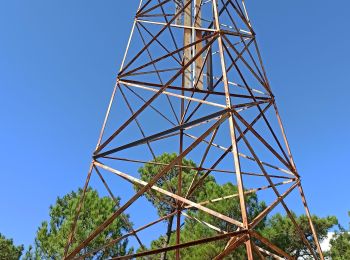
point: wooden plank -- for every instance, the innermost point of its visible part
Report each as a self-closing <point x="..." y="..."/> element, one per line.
<point x="210" y="83"/>
<point x="187" y="76"/>
<point x="199" y="45"/>
<point x="232" y="127"/>
<point x="178" y="7"/>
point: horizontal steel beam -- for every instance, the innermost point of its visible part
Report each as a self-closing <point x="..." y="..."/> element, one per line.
<point x="160" y="134"/>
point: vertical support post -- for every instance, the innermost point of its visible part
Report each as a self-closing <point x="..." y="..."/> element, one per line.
<point x="186" y="81"/>
<point x="198" y="47"/>
<point x="179" y="191"/>
<point x="178" y="7"/>
<point x="313" y="230"/>
<point x="179" y="183"/>
<point x="130" y="37"/>
<point x="233" y="134"/>
<point x="72" y="233"/>
<point x="77" y="213"/>
<point x="285" y="138"/>
<point x="210" y="69"/>
<point x="187" y="40"/>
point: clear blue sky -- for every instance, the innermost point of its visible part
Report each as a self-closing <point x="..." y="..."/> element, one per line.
<point x="58" y="62"/>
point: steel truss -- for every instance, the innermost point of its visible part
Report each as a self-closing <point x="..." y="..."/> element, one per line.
<point x="192" y="81"/>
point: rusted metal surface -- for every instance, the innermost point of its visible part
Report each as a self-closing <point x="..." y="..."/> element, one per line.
<point x="192" y="81"/>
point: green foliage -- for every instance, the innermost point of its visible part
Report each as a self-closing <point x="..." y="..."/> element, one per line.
<point x="193" y="230"/>
<point x="281" y="231"/>
<point x="8" y="251"/>
<point x="163" y="203"/>
<point x="340" y="245"/>
<point x="52" y="236"/>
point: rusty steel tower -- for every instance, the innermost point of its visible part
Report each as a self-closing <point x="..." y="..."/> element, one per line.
<point x="192" y="82"/>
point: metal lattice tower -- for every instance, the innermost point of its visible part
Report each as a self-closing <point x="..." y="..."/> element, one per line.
<point x="192" y="81"/>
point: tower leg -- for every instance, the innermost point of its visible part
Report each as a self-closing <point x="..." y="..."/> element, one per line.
<point x="233" y="137"/>
<point x="187" y="40"/>
<point x="313" y="230"/>
<point x="198" y="36"/>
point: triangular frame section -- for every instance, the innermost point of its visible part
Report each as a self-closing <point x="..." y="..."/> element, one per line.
<point x="207" y="91"/>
